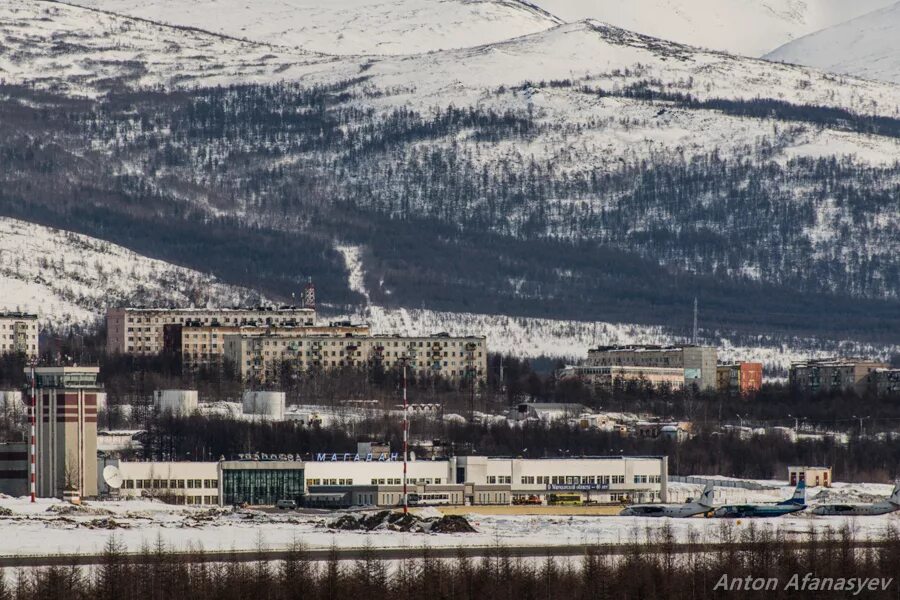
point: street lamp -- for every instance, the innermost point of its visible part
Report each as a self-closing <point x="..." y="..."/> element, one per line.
<point x="861" y="419"/>
<point x="741" y="419"/>
<point x="796" y="422"/>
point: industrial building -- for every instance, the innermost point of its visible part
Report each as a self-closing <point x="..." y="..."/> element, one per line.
<point x="177" y="402"/>
<point x="66" y="431"/>
<point x="18" y="333"/>
<point x="739" y="377"/>
<point x="546" y="412"/>
<point x="201" y="344"/>
<point x="141" y="331"/>
<point x="605" y="377"/>
<point x="835" y="374"/>
<point x="263" y="405"/>
<point x="698" y="362"/>
<point x="258" y="358"/>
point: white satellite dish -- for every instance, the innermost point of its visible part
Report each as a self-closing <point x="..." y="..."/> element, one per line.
<point x="112" y="477"/>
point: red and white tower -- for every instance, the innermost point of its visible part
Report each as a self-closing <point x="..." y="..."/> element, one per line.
<point x="309" y="295"/>
<point x="32" y="410"/>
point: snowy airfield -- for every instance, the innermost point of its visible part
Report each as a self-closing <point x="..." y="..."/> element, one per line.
<point x="52" y="527"/>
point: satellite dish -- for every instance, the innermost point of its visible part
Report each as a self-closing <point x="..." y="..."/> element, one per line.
<point x="112" y="477"/>
<point x="412" y="455"/>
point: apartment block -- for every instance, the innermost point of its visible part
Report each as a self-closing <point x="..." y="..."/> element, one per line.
<point x="886" y="381"/>
<point x="141" y="331"/>
<point x="203" y="344"/>
<point x="258" y="357"/>
<point x="834" y="374"/>
<point x="18" y="333"/>
<point x="605" y="377"/>
<point x="698" y="362"/>
<point x="739" y="377"/>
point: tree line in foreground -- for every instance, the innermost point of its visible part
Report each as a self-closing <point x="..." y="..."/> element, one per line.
<point x="654" y="564"/>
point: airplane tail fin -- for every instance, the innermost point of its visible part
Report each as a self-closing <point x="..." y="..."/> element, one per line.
<point x="799" y="496"/>
<point x="706" y="499"/>
<point x="895" y="495"/>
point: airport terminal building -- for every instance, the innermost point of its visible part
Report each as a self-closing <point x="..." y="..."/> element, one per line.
<point x="342" y="480"/>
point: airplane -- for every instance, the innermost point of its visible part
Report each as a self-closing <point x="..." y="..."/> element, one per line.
<point x="689" y="509"/>
<point x="793" y="504"/>
<point x="862" y="510"/>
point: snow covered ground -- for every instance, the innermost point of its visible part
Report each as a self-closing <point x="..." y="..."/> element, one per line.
<point x="749" y="28"/>
<point x="344" y="27"/>
<point x="415" y="26"/>
<point x="50" y="526"/>
<point x="70" y="278"/>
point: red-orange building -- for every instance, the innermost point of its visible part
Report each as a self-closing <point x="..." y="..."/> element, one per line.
<point x="739" y="377"/>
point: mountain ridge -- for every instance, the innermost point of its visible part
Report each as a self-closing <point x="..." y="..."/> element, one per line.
<point x="867" y="47"/>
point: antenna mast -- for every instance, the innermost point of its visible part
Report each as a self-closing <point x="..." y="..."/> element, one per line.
<point x="694" y="337"/>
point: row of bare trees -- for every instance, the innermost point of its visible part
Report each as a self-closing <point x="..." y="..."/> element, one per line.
<point x="655" y="563"/>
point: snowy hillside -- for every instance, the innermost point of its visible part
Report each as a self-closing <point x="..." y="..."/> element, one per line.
<point x="570" y="340"/>
<point x="747" y="27"/>
<point x="867" y="47"/>
<point x="68" y="278"/>
<point x="345" y="27"/>
<point x="79" y="51"/>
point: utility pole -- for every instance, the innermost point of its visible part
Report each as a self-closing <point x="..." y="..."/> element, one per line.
<point x="33" y="418"/>
<point x="405" y="439"/>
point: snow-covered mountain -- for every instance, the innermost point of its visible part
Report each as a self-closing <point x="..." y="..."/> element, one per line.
<point x="636" y="163"/>
<point x="748" y="27"/>
<point x="868" y="47"/>
<point x="346" y="27"/>
<point x="67" y="278"/>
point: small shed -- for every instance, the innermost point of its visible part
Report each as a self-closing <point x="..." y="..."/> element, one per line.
<point x="813" y="476"/>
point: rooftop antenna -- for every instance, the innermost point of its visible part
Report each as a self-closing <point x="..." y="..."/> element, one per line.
<point x="309" y="294"/>
<point x="694" y="337"/>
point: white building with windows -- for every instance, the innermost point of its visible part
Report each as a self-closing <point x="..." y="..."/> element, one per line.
<point x="18" y="333"/>
<point x="350" y="479"/>
<point x="173" y="482"/>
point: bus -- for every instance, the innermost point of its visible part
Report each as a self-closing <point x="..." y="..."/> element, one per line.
<point x="564" y="500"/>
<point x="427" y="499"/>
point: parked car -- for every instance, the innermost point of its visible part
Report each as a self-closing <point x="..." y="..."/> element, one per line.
<point x="286" y="505"/>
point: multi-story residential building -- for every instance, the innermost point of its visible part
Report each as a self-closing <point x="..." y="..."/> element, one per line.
<point x="698" y="362"/>
<point x="833" y="374"/>
<point x="605" y="377"/>
<point x="203" y="344"/>
<point x="140" y="331"/>
<point x="257" y="358"/>
<point x="18" y="333"/>
<point x="739" y="377"/>
<point x="886" y="381"/>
